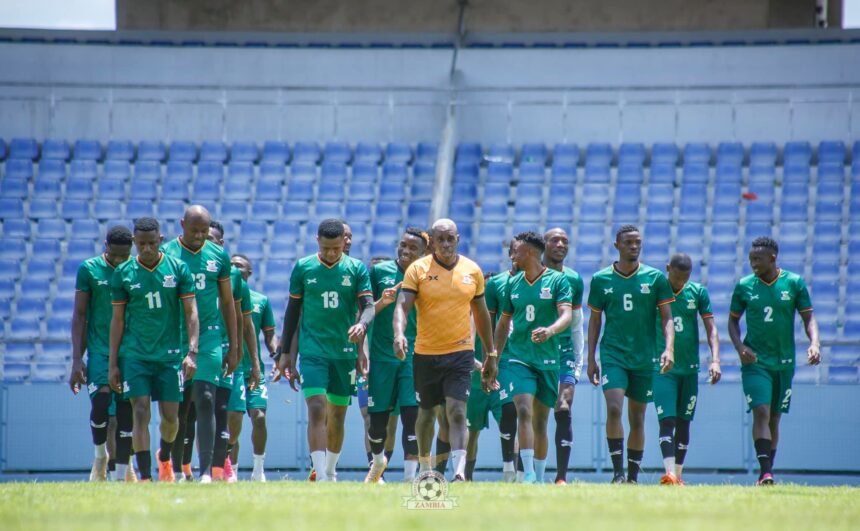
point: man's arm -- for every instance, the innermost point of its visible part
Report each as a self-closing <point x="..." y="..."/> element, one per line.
<point x="117" y="329"/>
<point x="714" y="371"/>
<point x="405" y="302"/>
<point x="543" y="334"/>
<point x="192" y="326"/>
<point x="500" y="335"/>
<point x="251" y="341"/>
<point x="240" y="327"/>
<point x="595" y="321"/>
<point x="389" y="295"/>
<point x="228" y="313"/>
<point x="578" y="340"/>
<point x="77" y="378"/>
<point x="746" y="354"/>
<point x="366" y="313"/>
<point x="813" y="354"/>
<point x="283" y="355"/>
<point x="270" y="341"/>
<point x="484" y="328"/>
<point x="667" y="358"/>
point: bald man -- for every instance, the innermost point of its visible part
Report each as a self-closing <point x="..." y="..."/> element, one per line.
<point x="447" y="289"/>
<point x="210" y="267"/>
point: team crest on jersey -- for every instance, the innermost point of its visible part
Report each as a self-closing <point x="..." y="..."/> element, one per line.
<point x="785" y="296"/>
<point x="346" y="281"/>
<point x="691" y="304"/>
<point x="646" y="288"/>
<point x="212" y="266"/>
<point x="468" y="280"/>
<point x="545" y="293"/>
<point x="169" y="281"/>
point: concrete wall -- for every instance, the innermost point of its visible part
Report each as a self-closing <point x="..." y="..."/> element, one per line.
<point x="482" y="15"/>
<point x="33" y="415"/>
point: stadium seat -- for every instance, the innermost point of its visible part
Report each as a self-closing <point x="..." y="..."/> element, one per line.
<point x="631" y="154"/>
<point x="11" y="208"/>
<point x="598" y="154"/>
<point x="74" y="209"/>
<point x="661" y="200"/>
<point x="763" y="154"/>
<point x="421" y="191"/>
<point x="118" y="150"/>
<point x="13" y="249"/>
<point x="391" y="192"/>
<point x="3" y="149"/>
<point x="300" y="190"/>
<point x="829" y="152"/>
<point x="630" y="173"/>
<point x="328" y="209"/>
<point x="389" y="211"/>
<point x="253" y="230"/>
<point x="796" y="154"/>
<point x="151" y="150"/>
<point x="535" y="153"/>
<point x="662" y="173"/>
<point x="23" y="149"/>
<point x="213" y="150"/>
<point x="795" y="202"/>
<point x="359" y="211"/>
<point x="253" y="249"/>
<point x="843" y="375"/>
<point x="15" y="372"/>
<point x="529" y="193"/>
<point x="55" y="149"/>
<point x="566" y="154"/>
<point x="664" y="154"/>
<point x="51" y="171"/>
<point x="137" y="208"/>
<point x="206" y="169"/>
<point x="277" y="152"/>
<point x="111" y="189"/>
<point x="244" y="151"/>
<point x="18" y="169"/>
<point x="49" y="372"/>
<point x="393" y="172"/>
<point x="697" y="153"/>
<point x="268" y="210"/>
<point x="462" y="212"/>
<point x="418" y="214"/>
<point x="469" y="153"/>
<point x="145" y="169"/>
<point x="87" y="149"/>
<point x="42" y="208"/>
<point x="695" y="172"/>
<point x="370" y="152"/>
<point x="18" y="353"/>
<point x="273" y="171"/>
<point x="829" y="199"/>
<point x="500" y="172"/>
<point x="563" y="172"/>
<point x="596" y="172"/>
<point x="206" y="188"/>
<point x="24" y="328"/>
<point x="183" y="150"/>
<point x="85" y="228"/>
<point x="337" y="152"/>
<point x="290" y="230"/>
<point x="333" y="173"/>
<point x="303" y="171"/>
<point x="304" y="152"/>
<point x="840" y="355"/>
<point x="427" y="152"/>
<point x="234" y="210"/>
<point x="14" y="187"/>
<point x="366" y="172"/>
<point x="239" y="189"/>
<point x="176" y="190"/>
<point x="51" y="228"/>
<point x="730" y="154"/>
<point x="501" y="153"/>
<point x="17" y="228"/>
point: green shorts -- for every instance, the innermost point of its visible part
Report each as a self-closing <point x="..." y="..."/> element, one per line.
<point x="390" y="384"/>
<point x="160" y="380"/>
<point x="637" y="385"/>
<point x="765" y="387"/>
<point x="210" y="358"/>
<point x="238" y="394"/>
<point x="97" y="372"/>
<point x="479" y="406"/>
<point x="675" y="395"/>
<point x="517" y="378"/>
<point x="334" y="378"/>
<point x="257" y="398"/>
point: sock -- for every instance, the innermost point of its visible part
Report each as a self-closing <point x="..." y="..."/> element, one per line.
<point x="772" y="457"/>
<point x="528" y="457"/>
<point x="204" y="405"/>
<point x="230" y="454"/>
<point x="144" y="464"/>
<point x="99" y="417"/>
<point x="443" y="448"/>
<point x="563" y="443"/>
<point x="667" y="443"/>
<point x="410" y="469"/>
<point x="682" y="442"/>
<point x="318" y="463"/>
<point x="119" y="473"/>
<point x="389" y="454"/>
<point x="377" y="431"/>
<point x="616" y="452"/>
<point x="222" y="434"/>
<point x="762" y="451"/>
<point x="164" y="451"/>
<point x="190" y="433"/>
<point x="459" y="460"/>
<point x="508" y="432"/>
<point x="180" y="448"/>
<point x="519" y="462"/>
<point x="508" y="466"/>
<point x="634" y="462"/>
<point x="101" y="451"/>
<point x="425" y="463"/>
<point x="470" y="469"/>
<point x="124" y="427"/>
<point x="369" y="457"/>
<point x="331" y="463"/>
<point x="111" y="465"/>
<point x="258" y="463"/>
<point x="408" y="414"/>
<point x="540" y="469"/>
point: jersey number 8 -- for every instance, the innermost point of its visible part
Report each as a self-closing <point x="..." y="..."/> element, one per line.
<point x="530" y="313"/>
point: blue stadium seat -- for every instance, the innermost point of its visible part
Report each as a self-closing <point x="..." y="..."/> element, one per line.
<point x="627" y="199"/>
<point x="212" y="150"/>
<point x="795" y="200"/>
<point x="11" y="208"/>
<point x="661" y="199"/>
<point x="300" y="190"/>
<point x="492" y="232"/>
<point x="273" y="171"/>
<point x="469" y="153"/>
<point x="330" y="192"/>
<point x="533" y="153"/>
<point x="560" y="210"/>
<point x="566" y="154"/>
<point x="275" y="151"/>
<point x="663" y="173"/>
<point x="462" y="212"/>
<point x="562" y="193"/>
<point x="18" y="353"/>
<point x="592" y="210"/>
<point x="42" y="208"/>
<point x="30" y="307"/>
<point x="727" y="196"/>
<point x="38" y="288"/>
<point x="234" y="210"/>
<point x="49" y="372"/>
<point x="828" y="204"/>
<point x="303" y="171"/>
<point x="394" y="152"/>
<point x="763" y="154"/>
<point x="151" y="150"/>
<point x="7" y="288"/>
<point x="730" y="153"/>
<point x="14" y="188"/>
<point x="253" y="249"/>
<point x="18" y="169"/>
<point x="206" y="169"/>
<point x="137" y="208"/>
<point x="111" y="189"/>
<point x="74" y="209"/>
<point x="793" y="174"/>
<point x="690" y="234"/>
<point x="664" y="154"/>
<point x="843" y="375"/>
<point x="17" y="228"/>
<point x="328" y="209"/>
<point x="80" y="249"/>
<point x="55" y="149"/>
<point x="15" y="372"/>
<point x="3" y="149"/>
<point x="244" y="151"/>
<point x="500" y="172"/>
<point x="728" y="174"/>
<point x="358" y="211"/>
<point x="532" y="172"/>
<point x="697" y="153"/>
<point x="79" y="188"/>
<point x="285" y="229"/>
<point x="421" y="191"/>
<point x="13" y="249"/>
<point x="391" y="192"/>
<point x="632" y="154"/>
<point x="427" y="152"/>
<point x="563" y="172"/>
<point x="529" y="193"/>
<point x="829" y="152"/>
<point x="501" y="153"/>
<point x="183" y="150"/>
<point x="495" y="193"/>
<point x="796" y="154"/>
<point x="337" y="152"/>
<point x="52" y="170"/>
<point x="305" y="152"/>
<point x="630" y="173"/>
<point x="56" y="328"/>
<point x="657" y="232"/>
<point x="206" y="188"/>
<point x="333" y="173"/>
<point x="253" y="230"/>
<point x="490" y="250"/>
<point x="85" y="228"/>
<point x="723" y="251"/>
<point x="88" y="149"/>
<point x="828" y="231"/>
<point x="598" y="154"/>
<point x="393" y="172"/>
<point x="121" y="150"/>
<point x="271" y="211"/>
<point x="238" y="187"/>
<point x="117" y="169"/>
<point x="51" y="228"/>
<point x="525" y="212"/>
<point x="588" y="251"/>
<point x="418" y="214"/>
<point x="389" y="211"/>
<point x="760" y="209"/>
<point x="596" y="173"/>
<point x="176" y="190"/>
<point x="831" y="172"/>
<point x="494" y="212"/>
<point x="695" y="172"/>
<point x="277" y="287"/>
<point x="366" y="172"/>
<point x="23" y="148"/>
<point x="466" y="172"/>
<point x="840" y="355"/>
<point x="361" y="191"/>
<point x="794" y="251"/>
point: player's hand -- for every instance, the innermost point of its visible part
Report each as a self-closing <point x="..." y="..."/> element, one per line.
<point x="714" y="373"/>
<point x="401" y="347"/>
<point x="295" y="379"/>
<point x="667" y="361"/>
<point x="357" y="333"/>
<point x="281" y="368"/>
<point x="77" y="378"/>
<point x="362" y="365"/>
<point x="593" y="373"/>
<point x="489" y="372"/>
<point x="390" y="295"/>
<point x="747" y="355"/>
<point x="813" y="355"/>
<point x="115" y="379"/>
<point x="541" y="334"/>
<point x="232" y="361"/>
<point x="478" y="366"/>
<point x="254" y="378"/>
<point x="189" y="366"/>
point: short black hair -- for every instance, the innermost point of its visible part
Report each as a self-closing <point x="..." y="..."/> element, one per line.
<point x="118" y="235"/>
<point x="510" y="246"/>
<point x="330" y="228"/>
<point x="624" y="229"/>
<point x="418" y="233"/>
<point x="146" y="225"/>
<point x="242" y="256"/>
<point x="217" y="225"/>
<point x="681" y="262"/>
<point x="766" y="243"/>
<point x="532" y="238"/>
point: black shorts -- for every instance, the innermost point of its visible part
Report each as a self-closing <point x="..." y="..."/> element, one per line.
<point x="441" y="376"/>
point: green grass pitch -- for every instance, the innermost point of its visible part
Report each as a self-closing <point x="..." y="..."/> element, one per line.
<point x="494" y="506"/>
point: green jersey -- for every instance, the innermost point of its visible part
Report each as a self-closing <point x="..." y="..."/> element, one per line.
<point x="242" y="295"/>
<point x="383" y="276"/>
<point x="693" y="300"/>
<point x="535" y="304"/>
<point x="329" y="296"/>
<point x="770" y="312"/>
<point x="153" y="312"/>
<point x="208" y="265"/>
<point x="264" y="319"/>
<point x="630" y="304"/>
<point x="576" y="289"/>
<point x="94" y="277"/>
<point x="493" y="291"/>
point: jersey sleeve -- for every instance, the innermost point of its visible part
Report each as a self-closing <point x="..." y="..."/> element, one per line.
<point x="267" y="319"/>
<point x="576" y="289"/>
<point x="563" y="295"/>
<point x="236" y="285"/>
<point x="374" y="281"/>
<point x="82" y="281"/>
<point x="738" y="304"/>
<point x="663" y="290"/>
<point x="596" y="300"/>
<point x="705" y="303"/>
<point x="246" y="298"/>
<point x="297" y="282"/>
<point x="802" y="302"/>
<point x="185" y="282"/>
<point x="480" y="286"/>
<point x="362" y="278"/>
<point x="410" y="279"/>
<point x="506" y="306"/>
<point x="491" y="294"/>
<point x="118" y="294"/>
<point x="224" y="266"/>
